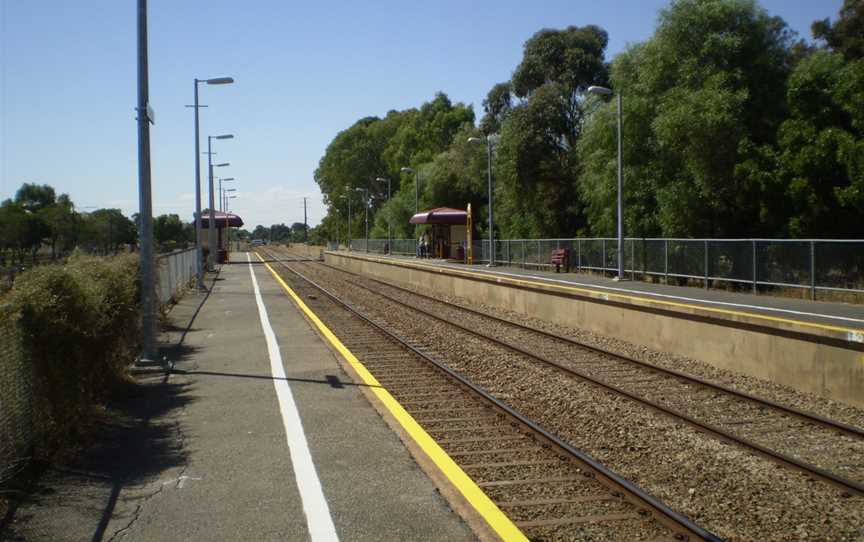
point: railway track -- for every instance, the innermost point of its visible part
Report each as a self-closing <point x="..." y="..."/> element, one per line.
<point x="550" y="489"/>
<point x="822" y="448"/>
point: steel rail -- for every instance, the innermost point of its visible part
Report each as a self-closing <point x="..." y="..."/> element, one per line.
<point x="807" y="416"/>
<point x="725" y="436"/>
<point x="663" y="513"/>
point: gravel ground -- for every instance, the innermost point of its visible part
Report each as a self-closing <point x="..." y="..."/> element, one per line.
<point x="735" y="494"/>
<point x="812" y="443"/>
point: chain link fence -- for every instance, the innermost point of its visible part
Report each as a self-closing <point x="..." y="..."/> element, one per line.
<point x="174" y="272"/>
<point x="16" y="404"/>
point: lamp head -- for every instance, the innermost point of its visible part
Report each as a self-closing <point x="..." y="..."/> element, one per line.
<point x="475" y="141"/>
<point x="220" y="81"/>
<point x="594" y="89"/>
<point x="407" y="170"/>
<point x="223" y="164"/>
<point x="226" y="136"/>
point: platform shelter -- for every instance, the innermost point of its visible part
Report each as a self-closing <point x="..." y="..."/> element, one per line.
<point x="448" y="230"/>
<point x="224" y="223"/>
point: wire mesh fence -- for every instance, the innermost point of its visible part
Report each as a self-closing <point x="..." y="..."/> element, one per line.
<point x="174" y="272"/>
<point x="16" y="398"/>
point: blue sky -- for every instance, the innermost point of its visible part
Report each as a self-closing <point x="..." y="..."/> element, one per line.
<point x="303" y="70"/>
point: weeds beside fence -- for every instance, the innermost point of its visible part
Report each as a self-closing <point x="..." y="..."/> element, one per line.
<point x="68" y="333"/>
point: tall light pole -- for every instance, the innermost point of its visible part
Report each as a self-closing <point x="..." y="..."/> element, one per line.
<point x="416" y="192"/>
<point x="366" y="206"/>
<point x="199" y="254"/>
<point x="227" y="228"/>
<point x="221" y="180"/>
<point x="606" y="92"/>
<point x="145" y="202"/>
<point x="211" y="231"/>
<point x="345" y="197"/>
<point x="381" y="180"/>
<point x="489" y="141"/>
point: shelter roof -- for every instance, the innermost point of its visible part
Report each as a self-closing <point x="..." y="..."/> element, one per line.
<point x="441" y="215"/>
<point x="234" y="221"/>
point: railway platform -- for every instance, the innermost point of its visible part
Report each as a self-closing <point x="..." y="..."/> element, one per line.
<point x="264" y="437"/>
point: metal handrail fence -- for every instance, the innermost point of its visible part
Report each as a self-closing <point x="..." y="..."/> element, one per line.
<point x="815" y="264"/>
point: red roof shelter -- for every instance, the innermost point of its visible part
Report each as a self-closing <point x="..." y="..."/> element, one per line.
<point x="441" y="215"/>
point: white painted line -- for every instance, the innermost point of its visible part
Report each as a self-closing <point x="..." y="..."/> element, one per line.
<point x="655" y="294"/>
<point x="315" y="507"/>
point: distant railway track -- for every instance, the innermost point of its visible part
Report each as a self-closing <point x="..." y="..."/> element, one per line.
<point x="550" y="489"/>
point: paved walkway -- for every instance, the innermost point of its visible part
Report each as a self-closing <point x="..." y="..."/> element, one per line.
<point x="205" y="454"/>
<point x="831" y="314"/>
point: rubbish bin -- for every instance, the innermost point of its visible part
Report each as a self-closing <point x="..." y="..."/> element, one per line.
<point x="221" y="255"/>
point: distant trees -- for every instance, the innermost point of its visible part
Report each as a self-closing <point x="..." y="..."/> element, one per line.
<point x="37" y="217"/>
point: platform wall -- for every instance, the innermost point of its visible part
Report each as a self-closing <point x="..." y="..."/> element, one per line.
<point x="823" y="365"/>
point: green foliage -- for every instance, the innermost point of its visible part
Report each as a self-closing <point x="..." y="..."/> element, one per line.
<point x="171" y="233"/>
<point x="701" y="98"/>
<point x="846" y="36"/>
<point x="79" y="326"/>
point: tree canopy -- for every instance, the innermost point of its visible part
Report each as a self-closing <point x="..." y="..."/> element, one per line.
<point x="733" y="126"/>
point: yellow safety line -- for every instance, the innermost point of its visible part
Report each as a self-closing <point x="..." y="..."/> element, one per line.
<point x="500" y="279"/>
<point x="481" y="502"/>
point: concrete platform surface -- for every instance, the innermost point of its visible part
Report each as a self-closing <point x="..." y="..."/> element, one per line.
<point x="818" y="312"/>
<point x="219" y="467"/>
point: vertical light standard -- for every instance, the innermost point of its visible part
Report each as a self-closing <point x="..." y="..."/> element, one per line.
<point x="416" y="192"/>
<point x="345" y="197"/>
<point x="211" y="231"/>
<point x="199" y="254"/>
<point x="389" y="241"/>
<point x="606" y="92"/>
<point x="227" y="227"/>
<point x="366" y="206"/>
<point x="145" y="200"/>
<point x="221" y="196"/>
<point x="489" y="142"/>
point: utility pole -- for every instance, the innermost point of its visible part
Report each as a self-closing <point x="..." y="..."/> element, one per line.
<point x="305" y="225"/>
<point x="145" y="202"/>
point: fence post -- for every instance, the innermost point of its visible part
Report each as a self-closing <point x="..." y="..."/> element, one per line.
<point x="754" y="266"/>
<point x="538" y="254"/>
<point x="666" y="261"/>
<point x="706" y="264"/>
<point x="578" y="255"/>
<point x="523" y="253"/>
<point x="632" y="259"/>
<point x="812" y="270"/>
<point x="603" y="261"/>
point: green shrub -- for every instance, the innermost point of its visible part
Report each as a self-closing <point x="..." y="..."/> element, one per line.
<point x="79" y="323"/>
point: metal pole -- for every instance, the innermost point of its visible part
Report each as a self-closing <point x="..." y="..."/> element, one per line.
<point x="211" y="229"/>
<point x="221" y="197"/>
<point x="366" y="205"/>
<point x="389" y="237"/>
<point x="491" y="225"/>
<point x="755" y="284"/>
<point x="305" y="223"/>
<point x="349" y="224"/>
<point x="145" y="223"/>
<point x="199" y="251"/>
<point x="620" y="195"/>
<point x="812" y="270"/>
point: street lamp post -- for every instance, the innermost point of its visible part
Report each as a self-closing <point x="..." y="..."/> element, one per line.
<point x="366" y="207"/>
<point x="221" y="195"/>
<point x="416" y="192"/>
<point x="211" y="231"/>
<point x="349" y="219"/>
<point x="489" y="141"/>
<point x="606" y="91"/>
<point x="389" y="241"/>
<point x="199" y="254"/>
<point x="227" y="227"/>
